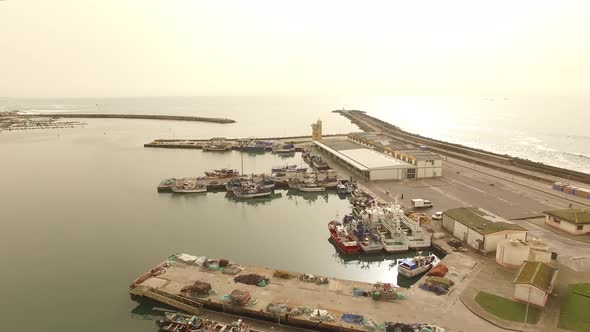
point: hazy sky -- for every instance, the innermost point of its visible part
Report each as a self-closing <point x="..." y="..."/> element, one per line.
<point x="75" y="48"/>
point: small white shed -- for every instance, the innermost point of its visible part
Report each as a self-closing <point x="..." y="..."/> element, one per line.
<point x="534" y="282"/>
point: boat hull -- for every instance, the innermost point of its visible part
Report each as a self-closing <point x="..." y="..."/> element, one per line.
<point x="371" y="249"/>
<point x="395" y="250"/>
<point x="189" y="191"/>
<point x="414" y="272"/>
<point x="346" y="248"/>
<point x="252" y="195"/>
<point x="312" y="189"/>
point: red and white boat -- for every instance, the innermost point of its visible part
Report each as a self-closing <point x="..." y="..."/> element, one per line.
<point x="342" y="238"/>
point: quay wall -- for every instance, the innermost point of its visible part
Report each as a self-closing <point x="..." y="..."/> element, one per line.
<point x="476" y="156"/>
<point x="131" y="116"/>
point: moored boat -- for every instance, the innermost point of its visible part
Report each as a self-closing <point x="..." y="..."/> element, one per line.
<point x="285" y="168"/>
<point x="411" y="267"/>
<point x="342" y="238"/>
<point x="190" y="188"/>
<point x="217" y="144"/>
<point x="177" y="322"/>
<point x="166" y="185"/>
<point x="341" y="189"/>
<point x="222" y="173"/>
<point x="283" y="148"/>
<point x="311" y="187"/>
<point x="266" y="183"/>
<point x="235" y="183"/>
<point x="365" y="237"/>
<point x="252" y="192"/>
<point x="254" y="146"/>
<point x="393" y="242"/>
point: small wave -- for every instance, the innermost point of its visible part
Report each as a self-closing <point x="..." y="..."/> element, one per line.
<point x="545" y="148"/>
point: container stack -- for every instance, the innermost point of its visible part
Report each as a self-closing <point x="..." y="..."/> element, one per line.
<point x="572" y="190"/>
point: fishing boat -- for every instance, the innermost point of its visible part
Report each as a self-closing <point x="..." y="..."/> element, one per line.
<point x="341" y="189"/>
<point x="190" y="188"/>
<point x="266" y="183"/>
<point x="177" y="322"/>
<point x="411" y="267"/>
<point x="283" y="148"/>
<point x="222" y="173"/>
<point x="311" y="187"/>
<point x="387" y="228"/>
<point x="252" y="191"/>
<point x="393" y="242"/>
<point x="166" y="185"/>
<point x="415" y="235"/>
<point x="216" y="147"/>
<point x="216" y="144"/>
<point x="236" y="326"/>
<point x="254" y="146"/>
<point x="320" y="165"/>
<point x="345" y="243"/>
<point x="364" y="236"/>
<point x="235" y="183"/>
<point x="284" y="169"/>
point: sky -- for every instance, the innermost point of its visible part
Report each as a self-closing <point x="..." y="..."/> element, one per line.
<point x="116" y="48"/>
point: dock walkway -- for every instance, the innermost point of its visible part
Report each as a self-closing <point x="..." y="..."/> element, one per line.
<point x="336" y="298"/>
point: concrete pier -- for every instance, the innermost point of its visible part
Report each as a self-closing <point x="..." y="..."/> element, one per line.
<point x="130" y="116"/>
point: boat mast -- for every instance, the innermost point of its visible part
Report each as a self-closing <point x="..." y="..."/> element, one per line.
<point x="242" y="156"/>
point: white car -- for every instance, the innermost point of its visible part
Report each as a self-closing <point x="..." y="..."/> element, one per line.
<point x="437" y="215"/>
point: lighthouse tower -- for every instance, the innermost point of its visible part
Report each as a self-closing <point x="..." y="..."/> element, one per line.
<point x="316" y="131"/>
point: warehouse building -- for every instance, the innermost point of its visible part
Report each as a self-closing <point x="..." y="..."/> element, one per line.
<point x="367" y="164"/>
<point x="480" y="229"/>
<point x="428" y="164"/>
<point x="574" y="221"/>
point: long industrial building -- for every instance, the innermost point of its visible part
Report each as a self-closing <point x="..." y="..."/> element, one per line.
<point x="367" y="164"/>
<point x="428" y="164"/>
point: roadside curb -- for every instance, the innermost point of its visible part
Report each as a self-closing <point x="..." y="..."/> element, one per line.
<point x="552" y="230"/>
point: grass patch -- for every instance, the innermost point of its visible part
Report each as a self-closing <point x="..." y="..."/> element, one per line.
<point x="574" y="310"/>
<point x="507" y="309"/>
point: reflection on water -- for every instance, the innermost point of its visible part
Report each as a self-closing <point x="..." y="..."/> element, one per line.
<point x="255" y="200"/>
<point x="385" y="263"/>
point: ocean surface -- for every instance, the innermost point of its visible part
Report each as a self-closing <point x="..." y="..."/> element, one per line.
<point x="551" y="130"/>
<point x="81" y="217"/>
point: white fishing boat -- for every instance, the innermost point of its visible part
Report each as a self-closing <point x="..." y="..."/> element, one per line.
<point x="391" y="236"/>
<point x="411" y="267"/>
<point x="311" y="187"/>
<point x="189" y="188"/>
<point x="252" y="192"/>
<point x="393" y="242"/>
<point x="365" y="237"/>
<point x="415" y="235"/>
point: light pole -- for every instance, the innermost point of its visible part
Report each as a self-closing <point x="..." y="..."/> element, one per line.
<point x="526" y="313"/>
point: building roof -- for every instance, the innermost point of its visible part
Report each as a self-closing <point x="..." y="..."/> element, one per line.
<point x="366" y="159"/>
<point x="482" y="221"/>
<point x="574" y="216"/>
<point x="537" y="274"/>
<point x="374" y="160"/>
<point x="341" y="144"/>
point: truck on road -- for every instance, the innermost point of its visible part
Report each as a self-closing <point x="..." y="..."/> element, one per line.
<point x="421" y="203"/>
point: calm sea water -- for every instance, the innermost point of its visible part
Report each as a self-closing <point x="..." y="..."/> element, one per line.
<point x="81" y="217"/>
<point x="552" y="130"/>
